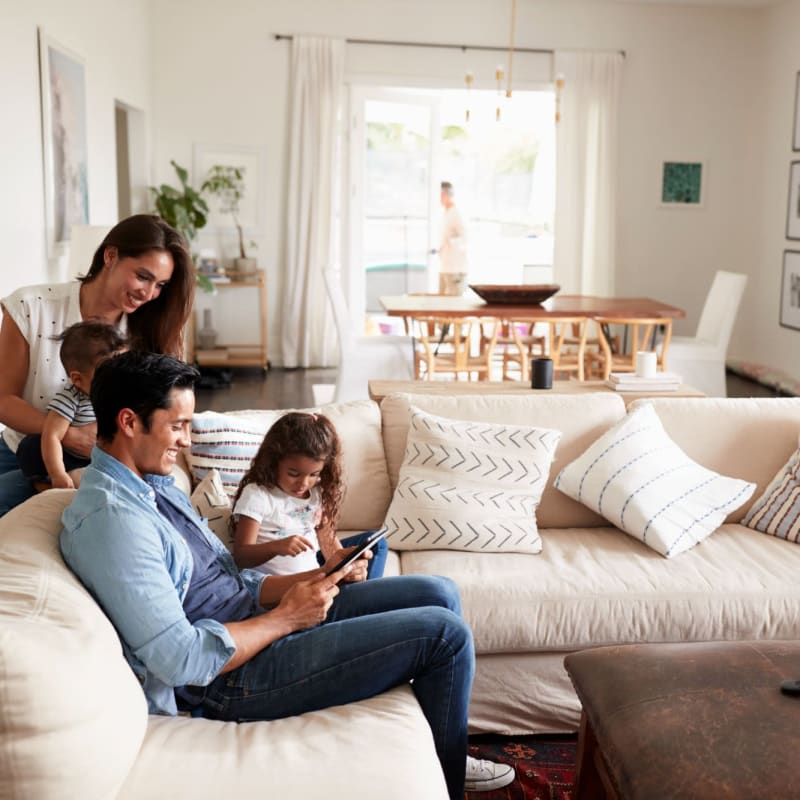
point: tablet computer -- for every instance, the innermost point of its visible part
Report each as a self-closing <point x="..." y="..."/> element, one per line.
<point x="359" y="550"/>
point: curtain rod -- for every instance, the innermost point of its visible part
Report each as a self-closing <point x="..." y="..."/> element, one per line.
<point x="463" y="47"/>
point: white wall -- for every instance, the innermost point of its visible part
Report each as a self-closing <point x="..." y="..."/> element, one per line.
<point x="113" y="39"/>
<point x="692" y="89"/>
<point x="700" y="83"/>
<point x="761" y="338"/>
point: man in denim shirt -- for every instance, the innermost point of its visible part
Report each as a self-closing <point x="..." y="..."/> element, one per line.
<point x="196" y="632"/>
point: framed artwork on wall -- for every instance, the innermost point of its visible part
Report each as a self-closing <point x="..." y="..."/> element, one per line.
<point x="793" y="203"/>
<point x="248" y="161"/>
<point x="796" y="133"/>
<point x="790" y="290"/>
<point x="682" y="184"/>
<point x="62" y="80"/>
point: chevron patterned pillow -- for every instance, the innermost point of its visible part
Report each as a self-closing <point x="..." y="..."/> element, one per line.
<point x="641" y="481"/>
<point x="470" y="486"/>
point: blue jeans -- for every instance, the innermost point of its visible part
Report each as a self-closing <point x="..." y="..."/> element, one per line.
<point x="376" y="564"/>
<point x="15" y="488"/>
<point x="378" y="634"/>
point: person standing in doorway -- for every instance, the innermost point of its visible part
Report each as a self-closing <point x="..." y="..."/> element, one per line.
<point x="453" y="249"/>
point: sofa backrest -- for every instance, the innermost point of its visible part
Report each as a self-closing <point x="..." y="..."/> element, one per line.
<point x="358" y="424"/>
<point x="73" y="714"/>
<point x="580" y="418"/>
<point x="742" y="437"/>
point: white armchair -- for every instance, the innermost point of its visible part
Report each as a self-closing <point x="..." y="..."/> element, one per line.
<point x="700" y="359"/>
<point x="362" y="358"/>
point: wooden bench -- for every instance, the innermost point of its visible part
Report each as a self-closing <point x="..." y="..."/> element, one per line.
<point x="785" y="385"/>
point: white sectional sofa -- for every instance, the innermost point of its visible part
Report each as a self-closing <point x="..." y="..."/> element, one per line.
<point x="73" y="721"/>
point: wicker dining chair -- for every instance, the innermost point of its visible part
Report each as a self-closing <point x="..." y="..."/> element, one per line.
<point x="444" y="346"/>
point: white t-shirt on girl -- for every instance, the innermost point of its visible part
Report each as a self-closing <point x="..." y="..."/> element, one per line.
<point x="280" y="515"/>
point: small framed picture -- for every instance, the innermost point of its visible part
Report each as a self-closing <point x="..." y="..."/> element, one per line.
<point x="790" y="290"/>
<point x="793" y="204"/>
<point x="682" y="184"/>
<point x="796" y="133"/>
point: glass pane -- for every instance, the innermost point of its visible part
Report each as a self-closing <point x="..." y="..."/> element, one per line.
<point x="397" y="184"/>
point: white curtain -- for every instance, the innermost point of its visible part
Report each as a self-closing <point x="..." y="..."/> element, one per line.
<point x="584" y="259"/>
<point x="308" y="336"/>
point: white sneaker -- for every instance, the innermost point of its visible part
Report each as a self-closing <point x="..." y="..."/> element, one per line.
<point x="484" y="776"/>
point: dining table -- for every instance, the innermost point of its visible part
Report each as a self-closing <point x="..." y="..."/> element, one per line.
<point x="416" y="306"/>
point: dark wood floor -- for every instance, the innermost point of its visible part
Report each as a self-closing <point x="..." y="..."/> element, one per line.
<point x="291" y="388"/>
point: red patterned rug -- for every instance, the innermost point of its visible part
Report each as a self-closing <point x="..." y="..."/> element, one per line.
<point x="545" y="765"/>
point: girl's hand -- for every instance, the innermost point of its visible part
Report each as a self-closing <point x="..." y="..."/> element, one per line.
<point x="354" y="572"/>
<point x="292" y="545"/>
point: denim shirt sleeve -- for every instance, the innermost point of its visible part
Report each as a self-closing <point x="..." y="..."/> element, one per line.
<point x="123" y="561"/>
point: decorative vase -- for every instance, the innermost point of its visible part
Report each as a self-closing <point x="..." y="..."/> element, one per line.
<point x="207" y="335"/>
<point x="245" y="266"/>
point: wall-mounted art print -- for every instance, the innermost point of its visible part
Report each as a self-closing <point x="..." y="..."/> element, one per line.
<point x="682" y="184"/>
<point x="793" y="203"/>
<point x="796" y="133"/>
<point x="62" y="78"/>
<point x="790" y="290"/>
<point x="245" y="209"/>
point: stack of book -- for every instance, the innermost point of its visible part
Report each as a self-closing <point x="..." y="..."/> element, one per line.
<point x="631" y="382"/>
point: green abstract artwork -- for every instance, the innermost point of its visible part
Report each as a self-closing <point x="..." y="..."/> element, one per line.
<point x="682" y="182"/>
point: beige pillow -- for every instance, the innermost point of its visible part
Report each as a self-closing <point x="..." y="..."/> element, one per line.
<point x="211" y="502"/>
<point x="470" y="486"/>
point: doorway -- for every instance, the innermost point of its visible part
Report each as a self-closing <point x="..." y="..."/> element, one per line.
<point x="404" y="143"/>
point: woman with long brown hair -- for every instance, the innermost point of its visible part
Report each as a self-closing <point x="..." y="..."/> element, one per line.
<point x="141" y="280"/>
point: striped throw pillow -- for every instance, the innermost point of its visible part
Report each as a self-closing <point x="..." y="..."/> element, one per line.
<point x="470" y="486"/>
<point x="777" y="511"/>
<point x="636" y="477"/>
<point x="226" y="443"/>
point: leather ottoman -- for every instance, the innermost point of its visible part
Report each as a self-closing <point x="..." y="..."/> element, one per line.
<point x="703" y="720"/>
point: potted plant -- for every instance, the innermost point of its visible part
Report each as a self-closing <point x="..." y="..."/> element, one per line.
<point x="227" y="183"/>
<point x="184" y="209"/>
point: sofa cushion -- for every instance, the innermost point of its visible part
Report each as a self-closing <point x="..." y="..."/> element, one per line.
<point x="594" y="586"/>
<point x="211" y="501"/>
<point x="470" y="486"/>
<point x="229" y="441"/>
<point x="580" y="418"/>
<point x="644" y="484"/>
<point x="376" y="748"/>
<point x="777" y="511"/>
<point x="72" y="714"/>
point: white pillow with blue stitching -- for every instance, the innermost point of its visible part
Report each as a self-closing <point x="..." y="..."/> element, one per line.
<point x="636" y="477"/>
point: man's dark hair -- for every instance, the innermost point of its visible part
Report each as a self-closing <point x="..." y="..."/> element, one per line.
<point x="447" y="187"/>
<point x="139" y="381"/>
<point x="84" y="344"/>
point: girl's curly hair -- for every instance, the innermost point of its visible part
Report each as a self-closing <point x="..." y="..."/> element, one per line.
<point x="310" y="435"/>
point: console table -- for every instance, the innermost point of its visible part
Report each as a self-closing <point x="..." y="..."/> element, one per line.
<point x="236" y="355"/>
<point x="378" y="389"/>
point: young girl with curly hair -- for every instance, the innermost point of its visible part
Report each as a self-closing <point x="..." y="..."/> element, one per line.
<point x="287" y="505"/>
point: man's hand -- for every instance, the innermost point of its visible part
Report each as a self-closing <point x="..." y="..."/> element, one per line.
<point x="80" y="439"/>
<point x="307" y="603"/>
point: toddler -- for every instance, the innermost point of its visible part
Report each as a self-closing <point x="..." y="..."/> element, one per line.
<point x="41" y="457"/>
